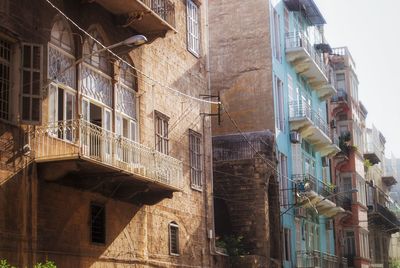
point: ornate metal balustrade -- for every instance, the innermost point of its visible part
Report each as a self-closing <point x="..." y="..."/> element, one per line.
<point x="81" y="139"/>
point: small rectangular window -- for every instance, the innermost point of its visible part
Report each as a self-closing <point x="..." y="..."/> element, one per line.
<point x="31" y="83"/>
<point x="195" y="159"/>
<point x="161" y="132"/>
<point x="173" y="238"/>
<point x="193" y="29"/>
<point x="97" y="223"/>
<point x="279" y="100"/>
<point x="277" y="37"/>
<point x="283" y="180"/>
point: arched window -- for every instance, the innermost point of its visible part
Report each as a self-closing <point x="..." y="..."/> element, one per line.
<point x="96" y="71"/>
<point x="61" y="55"/>
<point x="125" y="108"/>
<point x="61" y="71"/>
<point x="96" y="59"/>
<point x="173" y="238"/>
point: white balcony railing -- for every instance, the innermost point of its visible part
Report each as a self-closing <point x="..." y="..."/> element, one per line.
<point x="299" y="40"/>
<point x="78" y="138"/>
<point x="303" y="110"/>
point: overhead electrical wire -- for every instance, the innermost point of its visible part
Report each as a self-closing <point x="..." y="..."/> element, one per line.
<point x="127" y="63"/>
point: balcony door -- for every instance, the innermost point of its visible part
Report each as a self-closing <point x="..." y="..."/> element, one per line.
<point x="126" y="129"/>
<point x="96" y="131"/>
<point x="61" y="112"/>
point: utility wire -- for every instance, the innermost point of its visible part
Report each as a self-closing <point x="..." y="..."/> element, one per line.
<point x="127" y="63"/>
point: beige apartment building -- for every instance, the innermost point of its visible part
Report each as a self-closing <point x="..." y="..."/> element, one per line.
<point x="105" y="157"/>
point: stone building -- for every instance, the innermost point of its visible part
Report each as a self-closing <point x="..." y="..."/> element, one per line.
<point x="270" y="65"/>
<point x="105" y="157"/>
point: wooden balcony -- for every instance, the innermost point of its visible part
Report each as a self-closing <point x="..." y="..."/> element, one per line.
<point x="309" y="63"/>
<point x="152" y="18"/>
<point x="80" y="154"/>
<point x="312" y="128"/>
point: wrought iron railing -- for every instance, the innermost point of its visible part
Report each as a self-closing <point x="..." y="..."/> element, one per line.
<point x="299" y="40"/>
<point x="71" y="138"/>
<point x="163" y="8"/>
<point x="303" y="110"/>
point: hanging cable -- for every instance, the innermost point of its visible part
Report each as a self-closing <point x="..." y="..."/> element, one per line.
<point x="127" y="63"/>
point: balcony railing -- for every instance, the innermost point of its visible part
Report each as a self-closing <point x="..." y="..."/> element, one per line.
<point x="151" y="17"/>
<point x="303" y="110"/>
<point x="373" y="152"/>
<point x="299" y="40"/>
<point x="81" y="139"/>
<point x="163" y="8"/>
<point x="341" y="96"/>
<point x="314" y="258"/>
<point x="382" y="211"/>
<point x="302" y="179"/>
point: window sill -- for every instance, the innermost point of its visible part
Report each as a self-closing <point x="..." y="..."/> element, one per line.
<point x="197" y="188"/>
<point x="195" y="54"/>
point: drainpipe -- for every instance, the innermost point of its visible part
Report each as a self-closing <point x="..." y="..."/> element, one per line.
<point x="210" y="229"/>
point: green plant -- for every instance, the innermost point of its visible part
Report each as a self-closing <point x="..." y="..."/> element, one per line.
<point x="233" y="245"/>
<point x="394" y="264"/>
<point x="5" y="264"/>
<point x="332" y="187"/>
<point x="367" y="164"/>
<point x="47" y="264"/>
<point x="345" y="145"/>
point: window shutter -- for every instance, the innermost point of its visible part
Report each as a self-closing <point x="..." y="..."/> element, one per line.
<point x="32" y="69"/>
<point x="193" y="33"/>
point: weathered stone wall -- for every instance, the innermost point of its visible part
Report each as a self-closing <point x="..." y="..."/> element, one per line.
<point x="51" y="221"/>
<point x="241" y="64"/>
<point x="249" y="190"/>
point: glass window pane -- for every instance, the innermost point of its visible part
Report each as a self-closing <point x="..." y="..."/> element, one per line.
<point x="27" y="57"/>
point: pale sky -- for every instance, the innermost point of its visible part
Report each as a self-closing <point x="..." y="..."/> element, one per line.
<point x="371" y="31"/>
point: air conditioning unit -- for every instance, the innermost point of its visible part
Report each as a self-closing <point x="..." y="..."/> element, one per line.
<point x="294" y="137"/>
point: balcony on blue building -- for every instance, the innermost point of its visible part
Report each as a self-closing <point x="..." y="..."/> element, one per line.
<point x="315" y="194"/>
<point x="312" y="128"/>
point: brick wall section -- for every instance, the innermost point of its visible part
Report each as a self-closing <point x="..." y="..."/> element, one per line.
<point x="241" y="64"/>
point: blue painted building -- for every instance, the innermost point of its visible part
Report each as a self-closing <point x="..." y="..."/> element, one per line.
<point x="302" y="83"/>
<point x="270" y="64"/>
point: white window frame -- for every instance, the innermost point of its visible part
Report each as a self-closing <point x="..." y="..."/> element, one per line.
<point x="277" y="36"/>
<point x="195" y="156"/>
<point x="53" y="120"/>
<point x="31" y="96"/>
<point x="349" y="243"/>
<point x="161" y="126"/>
<point x="280" y="104"/>
<point x="170" y="226"/>
<point x="283" y="180"/>
<point x="193" y="28"/>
